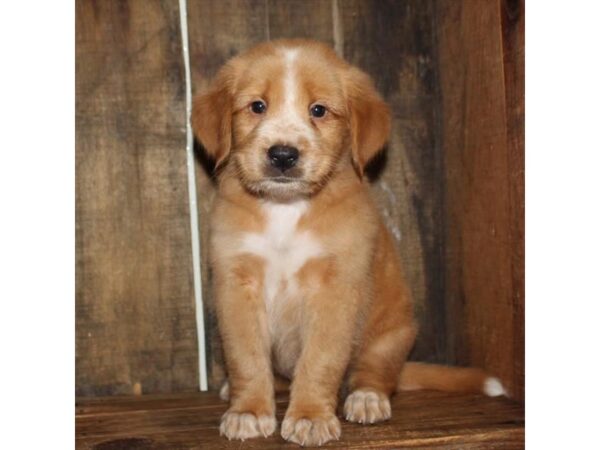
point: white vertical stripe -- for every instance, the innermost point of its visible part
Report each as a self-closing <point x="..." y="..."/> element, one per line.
<point x="189" y="148"/>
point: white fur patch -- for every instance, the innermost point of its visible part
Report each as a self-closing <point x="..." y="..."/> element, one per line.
<point x="290" y="84"/>
<point x="224" y="391"/>
<point x="290" y="124"/>
<point x="284" y="249"/>
<point x="493" y="387"/>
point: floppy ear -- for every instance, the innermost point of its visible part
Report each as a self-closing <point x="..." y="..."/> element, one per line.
<point x="211" y="116"/>
<point x="369" y="118"/>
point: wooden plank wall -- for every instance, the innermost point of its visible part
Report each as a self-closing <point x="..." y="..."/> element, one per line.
<point x="450" y="186"/>
<point x="135" y="322"/>
<point x="481" y="67"/>
<point x="394" y="42"/>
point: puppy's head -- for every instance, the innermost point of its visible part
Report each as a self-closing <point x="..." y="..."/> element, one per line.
<point x="287" y="115"/>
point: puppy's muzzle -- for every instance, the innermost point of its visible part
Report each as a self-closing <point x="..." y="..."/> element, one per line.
<point x="283" y="157"/>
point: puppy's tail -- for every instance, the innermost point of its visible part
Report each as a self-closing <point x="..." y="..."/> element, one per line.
<point x="417" y="376"/>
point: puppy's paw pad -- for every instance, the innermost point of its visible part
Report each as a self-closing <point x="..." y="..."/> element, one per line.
<point x="367" y="406"/>
<point x="235" y="425"/>
<point x="311" y="431"/>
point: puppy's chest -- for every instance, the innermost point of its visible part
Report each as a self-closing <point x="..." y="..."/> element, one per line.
<point x="285" y="249"/>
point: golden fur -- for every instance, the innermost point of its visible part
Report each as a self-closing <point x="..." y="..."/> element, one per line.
<point x="307" y="281"/>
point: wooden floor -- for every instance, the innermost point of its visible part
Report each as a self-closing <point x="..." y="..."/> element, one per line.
<point x="190" y="421"/>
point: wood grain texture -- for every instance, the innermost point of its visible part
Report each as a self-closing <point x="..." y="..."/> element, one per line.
<point x="135" y="325"/>
<point x="451" y="190"/>
<point x="311" y="19"/>
<point x="419" y="420"/>
<point x="394" y="43"/>
<point x="513" y="41"/>
<point x="482" y="115"/>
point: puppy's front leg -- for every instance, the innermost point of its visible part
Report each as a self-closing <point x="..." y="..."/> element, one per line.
<point x="242" y="322"/>
<point x="330" y="319"/>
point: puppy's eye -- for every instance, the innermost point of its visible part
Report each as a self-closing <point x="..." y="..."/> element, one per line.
<point x="258" y="107"/>
<point x="318" y="110"/>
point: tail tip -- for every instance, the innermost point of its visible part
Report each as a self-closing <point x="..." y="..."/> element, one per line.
<point x="493" y="387"/>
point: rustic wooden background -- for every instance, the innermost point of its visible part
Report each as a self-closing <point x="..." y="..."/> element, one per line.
<point x="451" y="188"/>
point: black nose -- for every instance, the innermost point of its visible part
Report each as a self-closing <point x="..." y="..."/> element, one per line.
<point x="283" y="157"/>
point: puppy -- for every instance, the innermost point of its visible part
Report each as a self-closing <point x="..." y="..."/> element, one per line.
<point x="308" y="284"/>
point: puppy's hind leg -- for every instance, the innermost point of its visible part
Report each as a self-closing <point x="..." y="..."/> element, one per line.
<point x="374" y="376"/>
<point x="387" y="339"/>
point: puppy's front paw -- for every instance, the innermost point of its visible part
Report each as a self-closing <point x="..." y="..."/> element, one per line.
<point x="310" y="431"/>
<point x="367" y="406"/>
<point x="236" y="425"/>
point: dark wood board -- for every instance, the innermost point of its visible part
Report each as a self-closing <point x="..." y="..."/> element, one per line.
<point x="419" y="420"/>
<point x="481" y="133"/>
<point x="311" y="19"/>
<point x="513" y="41"/>
<point x="394" y="43"/>
<point x="135" y="319"/>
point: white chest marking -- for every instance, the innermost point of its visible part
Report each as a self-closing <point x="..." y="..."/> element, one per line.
<point x="284" y="249"/>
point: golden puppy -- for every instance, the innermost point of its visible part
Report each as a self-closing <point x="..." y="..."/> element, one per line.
<point x="308" y="284"/>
